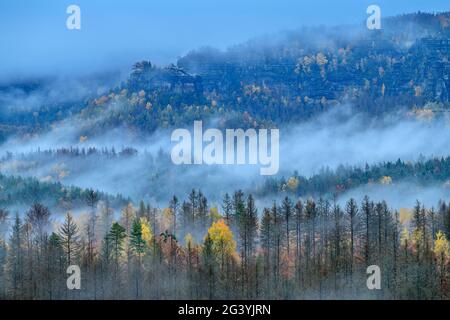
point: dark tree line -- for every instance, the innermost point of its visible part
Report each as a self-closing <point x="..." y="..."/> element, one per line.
<point x="328" y="181"/>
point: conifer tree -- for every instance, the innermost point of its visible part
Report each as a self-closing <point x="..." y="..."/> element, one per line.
<point x="69" y="239"/>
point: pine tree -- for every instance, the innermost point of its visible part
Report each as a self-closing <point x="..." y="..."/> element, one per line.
<point x="3" y="228"/>
<point x="4" y="214"/>
<point x="367" y="215"/>
<point x="56" y="268"/>
<point x="298" y="236"/>
<point x="174" y="204"/>
<point x="238" y="205"/>
<point x="227" y="206"/>
<point x="352" y="213"/>
<point x="251" y="222"/>
<point x="92" y="199"/>
<point x="277" y="238"/>
<point x="193" y="206"/>
<point x="138" y="246"/>
<point x="209" y="263"/>
<point x="266" y="242"/>
<point x="286" y="209"/>
<point x="202" y="210"/>
<point x="116" y="238"/>
<point x="106" y="218"/>
<point x="16" y="259"/>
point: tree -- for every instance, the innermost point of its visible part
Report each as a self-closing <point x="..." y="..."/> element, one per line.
<point x="147" y="234"/>
<point x="310" y="239"/>
<point x="202" y="210"/>
<point x="116" y="237"/>
<point x="367" y="207"/>
<point x="115" y="240"/>
<point x="15" y="259"/>
<point x="3" y="227"/>
<point x="4" y="214"/>
<point x="69" y="238"/>
<point x="174" y="204"/>
<point x="227" y="206"/>
<point x="442" y="253"/>
<point x="277" y="238"/>
<point x="209" y="262"/>
<point x="266" y="241"/>
<point x="352" y="212"/>
<point x="106" y="218"/>
<point x="39" y="218"/>
<point x="137" y="241"/>
<point x="286" y="209"/>
<point x="55" y="268"/>
<point x="193" y="206"/>
<point x="92" y="198"/>
<point x="298" y="211"/>
<point x="138" y="246"/>
<point x="222" y="242"/>
<point x="251" y="221"/>
<point x="128" y="216"/>
<point x="238" y="207"/>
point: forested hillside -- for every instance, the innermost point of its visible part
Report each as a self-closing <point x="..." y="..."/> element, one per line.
<point x="294" y="77"/>
<point x="289" y="77"/>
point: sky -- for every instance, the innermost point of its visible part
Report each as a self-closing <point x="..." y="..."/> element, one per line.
<point x="34" y="40"/>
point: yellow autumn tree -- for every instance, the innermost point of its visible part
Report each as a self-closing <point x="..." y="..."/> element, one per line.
<point x="221" y="236"/>
<point x="214" y="214"/>
<point x="292" y="183"/>
<point x="147" y="234"/>
<point x="386" y="180"/>
<point x="404" y="238"/>
<point x="441" y="250"/>
<point x="441" y="247"/>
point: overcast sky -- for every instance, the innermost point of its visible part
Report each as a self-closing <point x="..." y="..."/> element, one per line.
<point x="34" y="39"/>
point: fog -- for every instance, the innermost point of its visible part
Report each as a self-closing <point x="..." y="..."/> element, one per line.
<point x="116" y="34"/>
<point x="344" y="136"/>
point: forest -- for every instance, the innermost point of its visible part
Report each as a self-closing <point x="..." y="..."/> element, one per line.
<point x="86" y="177"/>
<point x="313" y="249"/>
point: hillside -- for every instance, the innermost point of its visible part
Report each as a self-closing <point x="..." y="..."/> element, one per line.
<point x="291" y="77"/>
